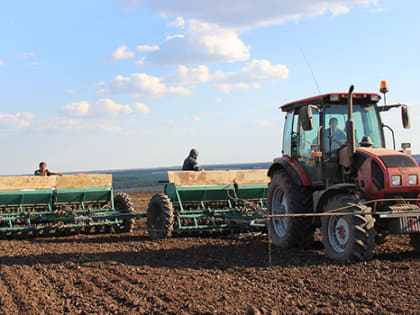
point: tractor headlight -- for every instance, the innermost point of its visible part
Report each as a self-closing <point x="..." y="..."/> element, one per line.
<point x="412" y="179"/>
<point x="396" y="180"/>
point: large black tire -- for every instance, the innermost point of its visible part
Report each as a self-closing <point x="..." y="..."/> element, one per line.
<point x="285" y="196"/>
<point x="415" y="241"/>
<point x="348" y="238"/>
<point x="123" y="204"/>
<point x="160" y="217"/>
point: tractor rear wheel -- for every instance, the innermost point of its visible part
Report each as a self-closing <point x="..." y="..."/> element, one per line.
<point x="351" y="237"/>
<point x="123" y="204"/>
<point x="415" y="241"/>
<point x="287" y="197"/>
<point x="160" y="217"/>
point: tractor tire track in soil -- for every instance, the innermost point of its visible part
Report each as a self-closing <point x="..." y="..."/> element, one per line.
<point x="129" y="274"/>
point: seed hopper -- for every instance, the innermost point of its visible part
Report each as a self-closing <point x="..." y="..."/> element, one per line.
<point x="208" y="200"/>
<point x="32" y="205"/>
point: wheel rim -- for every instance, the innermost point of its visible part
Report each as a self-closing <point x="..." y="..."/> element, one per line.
<point x="338" y="233"/>
<point x="279" y="205"/>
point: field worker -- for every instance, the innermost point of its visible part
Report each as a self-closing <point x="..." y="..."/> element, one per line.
<point x="190" y="163"/>
<point x="43" y="171"/>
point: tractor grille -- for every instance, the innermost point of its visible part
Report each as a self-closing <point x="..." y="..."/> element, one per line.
<point x="394" y="161"/>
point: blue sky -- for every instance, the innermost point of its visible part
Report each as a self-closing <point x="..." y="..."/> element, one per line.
<point x="119" y="84"/>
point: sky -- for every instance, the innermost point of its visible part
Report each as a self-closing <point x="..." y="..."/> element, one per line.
<point x="119" y="84"/>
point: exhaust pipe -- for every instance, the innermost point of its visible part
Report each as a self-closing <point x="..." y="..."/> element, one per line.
<point x="350" y="133"/>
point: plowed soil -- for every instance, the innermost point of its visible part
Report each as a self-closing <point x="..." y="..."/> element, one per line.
<point x="129" y="274"/>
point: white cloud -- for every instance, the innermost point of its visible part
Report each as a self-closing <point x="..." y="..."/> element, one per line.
<point x="143" y="85"/>
<point x="265" y="123"/>
<point x="141" y="108"/>
<point x="179" y="22"/>
<point x="228" y="87"/>
<point x="103" y="107"/>
<point x="249" y="76"/>
<point x="77" y="109"/>
<point x="75" y="124"/>
<point x="34" y="63"/>
<point x="218" y="100"/>
<point x="169" y="37"/>
<point x="16" y="121"/>
<point x="379" y="10"/>
<point x="140" y="62"/>
<point x="184" y="75"/>
<point x="246" y="13"/>
<point x="262" y="70"/>
<point x="28" y="54"/>
<point x="69" y="91"/>
<point x="147" y="48"/>
<point x="122" y="53"/>
<point x="202" y="43"/>
<point x="195" y="118"/>
<point x="2" y="63"/>
<point x="110" y="108"/>
<point x="339" y="9"/>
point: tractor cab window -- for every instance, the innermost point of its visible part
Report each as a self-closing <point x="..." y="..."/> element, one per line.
<point x="303" y="142"/>
<point x="366" y="123"/>
<point x="287" y="134"/>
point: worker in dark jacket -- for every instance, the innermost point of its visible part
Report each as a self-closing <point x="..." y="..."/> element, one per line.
<point x="43" y="171"/>
<point x="190" y="163"/>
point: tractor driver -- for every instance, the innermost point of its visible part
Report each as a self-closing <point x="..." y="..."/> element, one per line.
<point x="43" y="171"/>
<point x="334" y="137"/>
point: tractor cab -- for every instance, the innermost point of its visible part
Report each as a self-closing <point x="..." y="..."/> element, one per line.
<point x="316" y="133"/>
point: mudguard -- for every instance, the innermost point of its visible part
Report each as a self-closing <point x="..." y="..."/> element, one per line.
<point x="321" y="196"/>
<point x="293" y="168"/>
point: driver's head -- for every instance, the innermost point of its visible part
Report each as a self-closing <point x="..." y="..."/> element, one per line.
<point x="333" y="123"/>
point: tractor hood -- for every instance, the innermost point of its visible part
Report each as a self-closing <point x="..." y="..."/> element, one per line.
<point x="385" y="173"/>
<point x="390" y="158"/>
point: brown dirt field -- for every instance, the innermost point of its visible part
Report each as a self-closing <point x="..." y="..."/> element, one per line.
<point x="129" y="274"/>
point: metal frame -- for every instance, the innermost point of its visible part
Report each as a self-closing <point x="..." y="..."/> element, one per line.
<point x="216" y="207"/>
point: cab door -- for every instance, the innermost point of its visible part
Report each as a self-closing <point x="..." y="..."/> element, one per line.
<point x="303" y="143"/>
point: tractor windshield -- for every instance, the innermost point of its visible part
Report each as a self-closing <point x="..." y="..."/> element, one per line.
<point x="366" y="123"/>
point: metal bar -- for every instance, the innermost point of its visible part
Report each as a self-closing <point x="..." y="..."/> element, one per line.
<point x="179" y="199"/>
<point x="399" y="215"/>
<point x="329" y="214"/>
<point x="122" y="216"/>
<point x="220" y="226"/>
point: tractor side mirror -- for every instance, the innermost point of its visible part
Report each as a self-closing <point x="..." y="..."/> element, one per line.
<point x="405" y="115"/>
<point x="305" y="116"/>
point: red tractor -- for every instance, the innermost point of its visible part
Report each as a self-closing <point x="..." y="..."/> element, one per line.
<point x="334" y="159"/>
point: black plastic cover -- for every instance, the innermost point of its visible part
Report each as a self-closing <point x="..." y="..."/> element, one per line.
<point x="395" y="161"/>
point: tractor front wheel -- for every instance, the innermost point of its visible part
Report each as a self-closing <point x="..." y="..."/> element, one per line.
<point x="287" y="197"/>
<point x="160" y="217"/>
<point x="124" y="205"/>
<point x="350" y="237"/>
